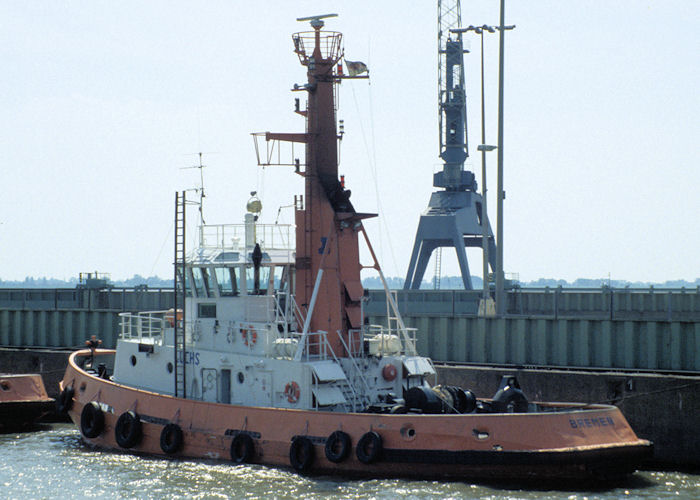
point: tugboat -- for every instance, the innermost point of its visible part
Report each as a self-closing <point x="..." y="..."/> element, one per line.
<point x="267" y="356"/>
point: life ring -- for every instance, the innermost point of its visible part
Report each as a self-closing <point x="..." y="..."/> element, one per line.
<point x="301" y="453"/>
<point x="250" y="336"/>
<point x="369" y="447"/>
<point x="389" y="372"/>
<point x="128" y="432"/>
<point x="242" y="448"/>
<point x="65" y="400"/>
<point x="171" y="438"/>
<point x="338" y="446"/>
<point x="292" y="391"/>
<point x="92" y="420"/>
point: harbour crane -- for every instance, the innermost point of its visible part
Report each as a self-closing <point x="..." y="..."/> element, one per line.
<point x="454" y="214"/>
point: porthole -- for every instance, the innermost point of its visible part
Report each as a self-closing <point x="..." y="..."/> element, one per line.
<point x="408" y="432"/>
<point x="82" y="387"/>
<point x="4" y="386"/>
<point x="133" y="360"/>
<point x="170" y="367"/>
<point x="241" y="377"/>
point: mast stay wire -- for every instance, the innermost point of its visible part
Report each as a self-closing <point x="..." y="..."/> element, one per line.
<point x="372" y="160"/>
<point x="168" y="235"/>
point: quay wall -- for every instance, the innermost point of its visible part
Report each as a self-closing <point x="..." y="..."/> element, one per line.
<point x="648" y="329"/>
<point x="645" y="329"/>
<point x="65" y="318"/>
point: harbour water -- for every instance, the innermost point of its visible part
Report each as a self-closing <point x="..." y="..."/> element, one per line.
<point x="53" y="462"/>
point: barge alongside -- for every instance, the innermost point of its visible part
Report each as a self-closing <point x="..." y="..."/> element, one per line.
<point x="23" y="400"/>
<point x="267" y="357"/>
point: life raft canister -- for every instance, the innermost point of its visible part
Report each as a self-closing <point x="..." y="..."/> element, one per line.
<point x="292" y="391"/>
<point x="250" y="336"/>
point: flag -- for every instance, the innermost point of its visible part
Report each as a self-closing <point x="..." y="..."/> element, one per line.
<point x="356" y="67"/>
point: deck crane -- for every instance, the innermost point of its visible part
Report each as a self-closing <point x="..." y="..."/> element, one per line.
<point x="453" y="217"/>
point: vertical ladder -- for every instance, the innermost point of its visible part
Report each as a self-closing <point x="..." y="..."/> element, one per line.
<point x="438" y="268"/>
<point x="180" y="293"/>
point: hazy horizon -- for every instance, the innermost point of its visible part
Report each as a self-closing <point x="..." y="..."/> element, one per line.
<point x="106" y="103"/>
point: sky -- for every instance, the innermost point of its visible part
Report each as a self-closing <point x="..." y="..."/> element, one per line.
<point x="105" y="104"/>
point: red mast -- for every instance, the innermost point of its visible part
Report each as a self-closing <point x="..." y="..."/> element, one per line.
<point x="327" y="225"/>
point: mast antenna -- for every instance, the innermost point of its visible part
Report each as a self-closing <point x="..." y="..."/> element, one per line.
<point x="200" y="189"/>
<point x="316" y="20"/>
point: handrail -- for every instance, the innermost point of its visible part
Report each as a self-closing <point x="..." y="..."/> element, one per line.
<point x="354" y="365"/>
<point x="232" y="236"/>
<point x="147" y="324"/>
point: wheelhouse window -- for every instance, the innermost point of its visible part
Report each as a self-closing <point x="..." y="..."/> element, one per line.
<point x="280" y="281"/>
<point x="226" y="280"/>
<point x="206" y="310"/>
<point x="264" y="280"/>
<point x="198" y="282"/>
<point x="208" y="285"/>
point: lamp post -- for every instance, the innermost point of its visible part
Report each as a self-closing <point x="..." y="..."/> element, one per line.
<point x="500" y="295"/>
<point x="484" y="148"/>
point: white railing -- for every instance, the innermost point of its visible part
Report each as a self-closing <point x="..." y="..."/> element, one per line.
<point x="143" y="325"/>
<point x="315" y="346"/>
<point x="233" y="236"/>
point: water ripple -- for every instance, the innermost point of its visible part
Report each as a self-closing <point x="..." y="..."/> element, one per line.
<point x="54" y="462"/>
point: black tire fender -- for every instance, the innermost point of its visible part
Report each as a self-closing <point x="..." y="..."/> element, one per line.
<point x="171" y="438"/>
<point x="242" y="448"/>
<point x="369" y="448"/>
<point x="92" y="420"/>
<point x="338" y="446"/>
<point x="301" y="453"/>
<point x="128" y="431"/>
<point x="64" y="402"/>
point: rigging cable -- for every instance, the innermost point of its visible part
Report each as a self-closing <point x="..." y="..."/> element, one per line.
<point x="372" y="159"/>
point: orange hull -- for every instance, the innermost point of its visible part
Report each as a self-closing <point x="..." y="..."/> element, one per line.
<point x="574" y="442"/>
<point x="23" y="400"/>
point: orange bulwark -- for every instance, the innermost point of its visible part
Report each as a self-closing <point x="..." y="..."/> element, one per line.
<point x="576" y="441"/>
